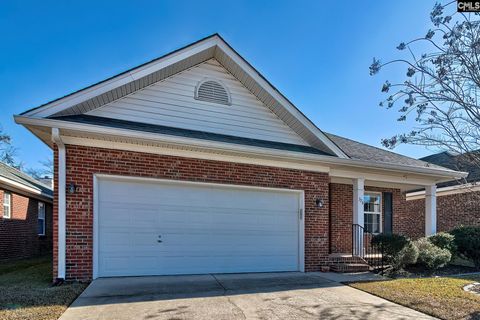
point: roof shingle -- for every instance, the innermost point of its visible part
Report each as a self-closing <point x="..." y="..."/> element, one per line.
<point x="18" y="176"/>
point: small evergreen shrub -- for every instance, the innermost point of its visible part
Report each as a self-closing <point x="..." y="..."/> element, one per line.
<point x="467" y="240"/>
<point x="431" y="256"/>
<point x="407" y="256"/>
<point x="391" y="245"/>
<point x="444" y="240"/>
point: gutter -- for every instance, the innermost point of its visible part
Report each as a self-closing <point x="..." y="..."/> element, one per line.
<point x="61" y="261"/>
<point x="25" y="188"/>
<point x="213" y="145"/>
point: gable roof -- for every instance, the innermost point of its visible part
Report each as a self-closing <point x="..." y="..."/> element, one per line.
<point x="68" y="114"/>
<point x="457" y="162"/>
<point x="361" y="151"/>
<point x="17" y="178"/>
<point x="161" y="68"/>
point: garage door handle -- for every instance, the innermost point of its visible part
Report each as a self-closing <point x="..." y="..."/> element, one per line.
<point x="159" y="241"/>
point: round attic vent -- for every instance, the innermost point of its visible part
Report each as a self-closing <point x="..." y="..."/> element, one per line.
<point x="212" y="91"/>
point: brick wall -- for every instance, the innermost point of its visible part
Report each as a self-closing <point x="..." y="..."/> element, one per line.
<point x="18" y="234"/>
<point x="84" y="162"/>
<point x="341" y="213"/>
<point x="452" y="210"/>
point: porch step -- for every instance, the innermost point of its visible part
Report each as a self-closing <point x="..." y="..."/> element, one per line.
<point x="349" y="267"/>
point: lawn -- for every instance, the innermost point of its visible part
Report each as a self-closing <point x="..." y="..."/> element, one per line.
<point x="441" y="297"/>
<point x="26" y="292"/>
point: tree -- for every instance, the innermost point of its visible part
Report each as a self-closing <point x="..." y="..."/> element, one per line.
<point x="442" y="85"/>
<point x="7" y="151"/>
<point x="46" y="169"/>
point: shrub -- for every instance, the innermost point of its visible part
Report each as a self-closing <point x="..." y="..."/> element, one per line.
<point x="467" y="240"/>
<point x="407" y="256"/>
<point x="444" y="240"/>
<point x="391" y="244"/>
<point x="431" y="256"/>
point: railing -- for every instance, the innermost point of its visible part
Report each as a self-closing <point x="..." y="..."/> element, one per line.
<point x="363" y="248"/>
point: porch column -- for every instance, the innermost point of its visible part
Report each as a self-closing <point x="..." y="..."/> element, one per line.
<point x="430" y="210"/>
<point x="358" y="217"/>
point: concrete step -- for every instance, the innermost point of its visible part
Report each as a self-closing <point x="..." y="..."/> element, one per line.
<point x="349" y="267"/>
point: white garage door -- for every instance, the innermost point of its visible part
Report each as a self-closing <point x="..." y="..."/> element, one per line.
<point x="154" y="227"/>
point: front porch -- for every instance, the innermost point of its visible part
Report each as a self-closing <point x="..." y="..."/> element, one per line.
<point x="360" y="209"/>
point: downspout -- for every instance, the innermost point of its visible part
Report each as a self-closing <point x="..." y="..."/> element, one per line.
<point x="61" y="239"/>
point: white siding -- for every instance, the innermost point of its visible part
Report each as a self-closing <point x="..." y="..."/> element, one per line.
<point x="171" y="103"/>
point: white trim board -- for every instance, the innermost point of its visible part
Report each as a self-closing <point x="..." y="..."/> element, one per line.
<point x="446" y="191"/>
<point x="97" y="177"/>
<point x="29" y="190"/>
<point x="437" y="175"/>
<point x="281" y="159"/>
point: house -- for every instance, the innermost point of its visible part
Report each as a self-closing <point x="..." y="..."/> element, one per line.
<point x="194" y="163"/>
<point x="458" y="201"/>
<point x="26" y="223"/>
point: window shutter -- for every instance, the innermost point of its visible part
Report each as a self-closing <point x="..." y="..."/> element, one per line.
<point x="388" y="213"/>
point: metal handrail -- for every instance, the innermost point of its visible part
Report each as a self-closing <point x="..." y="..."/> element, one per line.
<point x="363" y="248"/>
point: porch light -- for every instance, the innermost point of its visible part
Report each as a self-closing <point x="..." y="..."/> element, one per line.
<point x="71" y="188"/>
<point x="319" y="202"/>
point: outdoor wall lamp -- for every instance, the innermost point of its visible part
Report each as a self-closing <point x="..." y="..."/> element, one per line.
<point x="319" y="202"/>
<point x="71" y="188"/>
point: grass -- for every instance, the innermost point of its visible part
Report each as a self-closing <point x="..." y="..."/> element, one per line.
<point x="25" y="291"/>
<point x="441" y="297"/>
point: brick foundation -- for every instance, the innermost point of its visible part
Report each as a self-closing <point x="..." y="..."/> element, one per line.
<point x="84" y="162"/>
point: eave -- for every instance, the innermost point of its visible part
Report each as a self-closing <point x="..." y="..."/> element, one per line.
<point x="337" y="167"/>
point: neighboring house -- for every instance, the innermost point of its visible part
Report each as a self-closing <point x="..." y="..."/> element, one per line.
<point x="458" y="201"/>
<point x="26" y="215"/>
<point x="194" y="163"/>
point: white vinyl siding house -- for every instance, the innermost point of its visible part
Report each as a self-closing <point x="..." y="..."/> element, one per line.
<point x="172" y="103"/>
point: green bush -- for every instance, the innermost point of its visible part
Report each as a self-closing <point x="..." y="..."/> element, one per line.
<point x="467" y="240"/>
<point x="407" y="256"/>
<point x="431" y="256"/>
<point x="391" y="244"/>
<point x="444" y="240"/>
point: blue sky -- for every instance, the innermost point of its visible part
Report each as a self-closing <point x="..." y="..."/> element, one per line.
<point x="317" y="53"/>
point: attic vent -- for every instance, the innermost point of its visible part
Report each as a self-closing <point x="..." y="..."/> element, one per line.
<point x="212" y="91"/>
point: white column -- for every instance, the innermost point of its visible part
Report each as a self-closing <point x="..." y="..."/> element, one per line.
<point x="358" y="217"/>
<point x="430" y="210"/>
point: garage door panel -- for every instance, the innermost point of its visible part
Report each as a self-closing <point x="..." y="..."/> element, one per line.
<point x="203" y="229"/>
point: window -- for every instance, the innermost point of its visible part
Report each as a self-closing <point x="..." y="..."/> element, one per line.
<point x="7" y="205"/>
<point x="372" y="206"/>
<point x="41" y="219"/>
<point x="212" y="91"/>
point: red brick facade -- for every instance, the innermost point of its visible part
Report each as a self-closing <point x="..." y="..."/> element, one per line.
<point x="452" y="210"/>
<point x="18" y="234"/>
<point x="327" y="229"/>
<point x="408" y="223"/>
<point x="84" y="162"/>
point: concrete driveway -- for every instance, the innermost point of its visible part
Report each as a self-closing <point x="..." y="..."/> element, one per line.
<point x="232" y="296"/>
